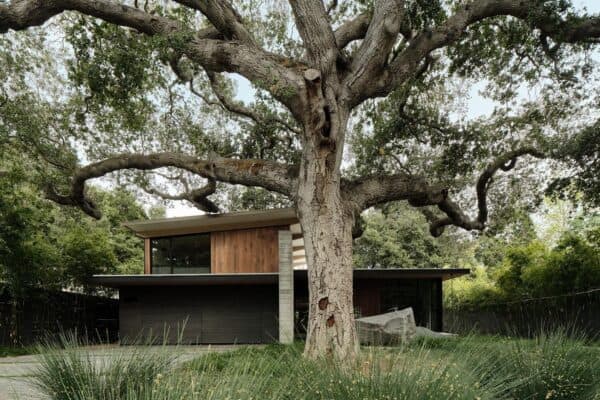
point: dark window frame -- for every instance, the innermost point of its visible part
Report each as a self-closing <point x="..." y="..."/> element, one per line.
<point x="171" y="266"/>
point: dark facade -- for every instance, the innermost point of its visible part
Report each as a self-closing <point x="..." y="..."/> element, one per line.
<point x="199" y="314"/>
<point x="378" y="296"/>
<point x="237" y="308"/>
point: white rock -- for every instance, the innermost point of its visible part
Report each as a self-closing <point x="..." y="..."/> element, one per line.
<point x="387" y="329"/>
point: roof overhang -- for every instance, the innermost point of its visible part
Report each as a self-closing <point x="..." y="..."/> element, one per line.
<point x="116" y="281"/>
<point x="212" y="222"/>
<point x="401" y="273"/>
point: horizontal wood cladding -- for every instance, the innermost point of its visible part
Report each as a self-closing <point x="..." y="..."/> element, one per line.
<point x="245" y="251"/>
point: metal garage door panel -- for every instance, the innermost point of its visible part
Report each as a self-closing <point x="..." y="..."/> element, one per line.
<point x="212" y="315"/>
<point x="179" y="326"/>
<point x="241" y="316"/>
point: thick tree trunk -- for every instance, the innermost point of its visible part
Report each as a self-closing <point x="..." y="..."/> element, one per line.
<point x="328" y="243"/>
<point x="327" y="228"/>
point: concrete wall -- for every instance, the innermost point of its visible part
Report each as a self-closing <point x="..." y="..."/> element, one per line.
<point x="286" y="288"/>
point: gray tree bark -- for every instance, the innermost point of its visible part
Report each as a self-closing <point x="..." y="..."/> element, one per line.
<point x="327" y="221"/>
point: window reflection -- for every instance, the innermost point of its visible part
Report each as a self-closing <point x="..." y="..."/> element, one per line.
<point x="181" y="255"/>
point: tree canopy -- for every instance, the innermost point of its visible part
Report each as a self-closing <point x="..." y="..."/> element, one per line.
<point x="355" y="104"/>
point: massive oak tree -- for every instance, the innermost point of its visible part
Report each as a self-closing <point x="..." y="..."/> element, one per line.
<point x="315" y="78"/>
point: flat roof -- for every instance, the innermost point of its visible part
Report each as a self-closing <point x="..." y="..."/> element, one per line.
<point x="212" y="222"/>
<point x="116" y="281"/>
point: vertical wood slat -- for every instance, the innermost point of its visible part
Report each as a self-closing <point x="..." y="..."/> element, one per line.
<point x="147" y="257"/>
<point x="245" y="251"/>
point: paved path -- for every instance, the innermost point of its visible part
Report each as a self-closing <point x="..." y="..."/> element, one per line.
<point x="16" y="372"/>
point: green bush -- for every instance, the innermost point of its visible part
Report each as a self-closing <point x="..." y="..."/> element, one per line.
<point x="534" y="270"/>
<point x="16" y="351"/>
<point x="471" y="291"/>
<point x="531" y="270"/>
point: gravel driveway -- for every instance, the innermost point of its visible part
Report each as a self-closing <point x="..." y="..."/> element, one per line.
<point x="16" y="372"/>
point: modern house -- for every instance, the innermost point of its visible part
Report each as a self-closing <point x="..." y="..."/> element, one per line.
<point x="241" y="278"/>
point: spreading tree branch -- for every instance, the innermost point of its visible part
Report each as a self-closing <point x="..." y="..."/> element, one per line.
<point x="377" y="189"/>
<point x="198" y="197"/>
<point x="212" y="54"/>
<point x="370" y="191"/>
<point x="371" y="57"/>
<point x="563" y="30"/>
<point x="269" y="175"/>
<point x="454" y="214"/>
<point x="224" y="18"/>
<point x="352" y="30"/>
<point x="238" y="108"/>
<point x="317" y="35"/>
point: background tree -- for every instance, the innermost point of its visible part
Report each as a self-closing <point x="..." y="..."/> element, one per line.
<point x="145" y="87"/>
<point x="557" y="256"/>
<point x="396" y="236"/>
<point x="44" y="246"/>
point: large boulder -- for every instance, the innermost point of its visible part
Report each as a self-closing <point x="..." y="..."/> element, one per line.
<point x="387" y="329"/>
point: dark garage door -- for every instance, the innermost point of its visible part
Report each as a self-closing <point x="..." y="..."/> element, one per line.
<point x="199" y="314"/>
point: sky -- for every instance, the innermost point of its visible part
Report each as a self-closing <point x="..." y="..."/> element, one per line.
<point x="477" y="106"/>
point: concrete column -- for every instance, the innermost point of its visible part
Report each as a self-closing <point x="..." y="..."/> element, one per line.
<point x="286" y="288"/>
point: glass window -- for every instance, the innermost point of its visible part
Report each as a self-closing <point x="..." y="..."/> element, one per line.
<point x="181" y="255"/>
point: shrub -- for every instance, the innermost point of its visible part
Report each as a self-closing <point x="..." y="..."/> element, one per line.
<point x="16" y="351"/>
<point x="470" y="291"/>
<point x="530" y="271"/>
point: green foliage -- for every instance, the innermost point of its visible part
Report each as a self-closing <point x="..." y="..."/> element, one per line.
<point x="115" y="67"/>
<point x="85" y="253"/>
<point x="582" y="151"/>
<point x="475" y="290"/>
<point x="517" y="262"/>
<point x="254" y="198"/>
<point x="551" y="366"/>
<point x="397" y="236"/>
<point x="509" y="52"/>
<point x="25" y="256"/>
<point x="44" y="245"/>
<point x="16" y="351"/>
<point x="519" y="259"/>
<point x="533" y="271"/>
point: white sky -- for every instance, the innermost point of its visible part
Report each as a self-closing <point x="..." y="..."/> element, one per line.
<point x="476" y="106"/>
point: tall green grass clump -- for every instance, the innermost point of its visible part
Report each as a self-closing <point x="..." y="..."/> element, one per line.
<point x="69" y="370"/>
<point x="280" y="372"/>
<point x="554" y="365"/>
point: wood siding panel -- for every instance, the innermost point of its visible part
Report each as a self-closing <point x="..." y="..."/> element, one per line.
<point x="245" y="251"/>
<point x="147" y="257"/>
